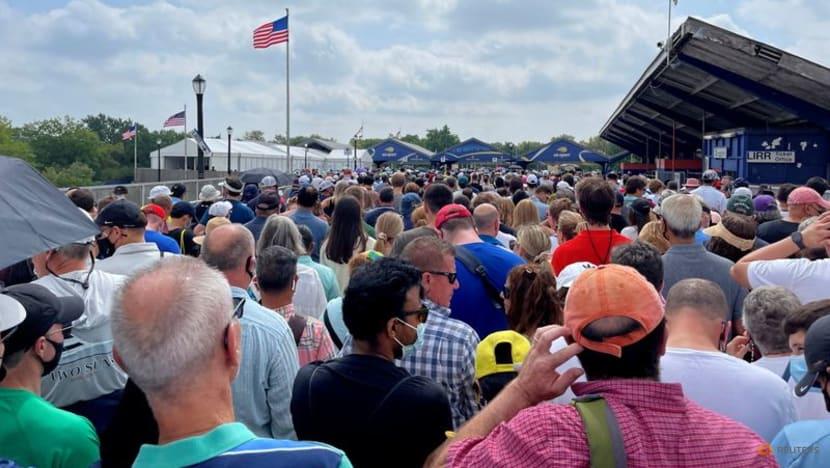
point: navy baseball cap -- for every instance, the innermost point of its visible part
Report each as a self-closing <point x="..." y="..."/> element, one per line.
<point x="182" y="208"/>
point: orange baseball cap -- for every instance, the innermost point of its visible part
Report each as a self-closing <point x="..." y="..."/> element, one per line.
<point x="612" y="291"/>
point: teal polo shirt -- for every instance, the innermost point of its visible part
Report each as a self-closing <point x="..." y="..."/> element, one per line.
<point x="232" y="444"/>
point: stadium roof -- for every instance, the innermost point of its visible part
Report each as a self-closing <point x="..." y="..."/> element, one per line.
<point x="717" y="80"/>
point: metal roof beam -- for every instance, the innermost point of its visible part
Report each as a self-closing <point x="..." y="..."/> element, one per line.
<point x="655" y="127"/>
<point x="632" y="146"/>
<point x="746" y="101"/>
<point x="737" y="119"/>
<point x="712" y="80"/>
<point x="670" y="114"/>
<point x="686" y="130"/>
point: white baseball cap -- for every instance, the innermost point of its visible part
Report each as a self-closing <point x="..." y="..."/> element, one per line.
<point x="268" y="181"/>
<point x="12" y="313"/>
<point x="570" y="273"/>
<point x="159" y="190"/>
<point x="220" y="209"/>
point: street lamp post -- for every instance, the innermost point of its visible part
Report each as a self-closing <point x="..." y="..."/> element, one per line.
<point x="306" y="156"/>
<point x="230" y="131"/>
<point x="158" y="159"/>
<point x="199" y="85"/>
<point x="356" y="137"/>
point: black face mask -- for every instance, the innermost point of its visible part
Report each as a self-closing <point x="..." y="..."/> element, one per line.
<point x="2" y="372"/>
<point x="105" y="247"/>
<point x="48" y="367"/>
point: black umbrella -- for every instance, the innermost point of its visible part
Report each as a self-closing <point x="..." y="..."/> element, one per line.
<point x="254" y="176"/>
<point x="34" y="215"/>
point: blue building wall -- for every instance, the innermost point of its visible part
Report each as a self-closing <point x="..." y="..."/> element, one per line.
<point x="749" y="150"/>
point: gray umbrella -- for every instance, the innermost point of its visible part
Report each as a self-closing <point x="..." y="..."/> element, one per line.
<point x="254" y="176"/>
<point x="34" y="215"/>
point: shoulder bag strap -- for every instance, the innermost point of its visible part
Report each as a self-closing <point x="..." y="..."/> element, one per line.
<point x="332" y="333"/>
<point x="472" y="263"/>
<point x="603" y="432"/>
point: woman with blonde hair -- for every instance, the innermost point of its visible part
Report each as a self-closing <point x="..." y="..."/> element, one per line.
<point x="569" y="225"/>
<point x="525" y="214"/>
<point x="652" y="232"/>
<point x="419" y="217"/>
<point x="533" y="244"/>
<point x="388" y="226"/>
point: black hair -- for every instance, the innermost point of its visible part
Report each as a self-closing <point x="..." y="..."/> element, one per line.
<point x="518" y="196"/>
<point x="515" y="184"/>
<point x="83" y="199"/>
<point x="569" y="178"/>
<point x="276" y="267"/>
<point x="644" y="258"/>
<point x="819" y="184"/>
<point x="640" y="360"/>
<point x="386" y="195"/>
<point x="307" y="197"/>
<point x="346" y="230"/>
<point x="784" y="192"/>
<point x="375" y="294"/>
<point x="803" y="317"/>
<point x="308" y="237"/>
<point x="437" y="196"/>
<point x="596" y="200"/>
<point x="463" y="201"/>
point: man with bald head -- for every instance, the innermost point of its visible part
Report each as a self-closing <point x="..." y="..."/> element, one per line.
<point x="695" y="357"/>
<point x="486" y="218"/>
<point x="262" y="391"/>
<point x="179" y="337"/>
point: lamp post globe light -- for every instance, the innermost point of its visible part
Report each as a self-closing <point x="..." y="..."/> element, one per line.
<point x="230" y="131"/>
<point x="199" y="86"/>
<point x="158" y="159"/>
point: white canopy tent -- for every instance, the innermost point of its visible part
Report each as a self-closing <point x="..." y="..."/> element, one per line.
<point x="244" y="155"/>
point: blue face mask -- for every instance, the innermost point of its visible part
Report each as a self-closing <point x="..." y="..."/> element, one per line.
<point x="407" y="350"/>
<point x="797" y="367"/>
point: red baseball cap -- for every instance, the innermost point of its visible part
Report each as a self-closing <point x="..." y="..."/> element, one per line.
<point x="612" y="291"/>
<point x="154" y="209"/>
<point x="807" y="196"/>
<point x="451" y="211"/>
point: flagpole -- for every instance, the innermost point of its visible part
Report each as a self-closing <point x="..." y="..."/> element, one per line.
<point x="185" y="142"/>
<point x="287" y="103"/>
<point x="135" y="154"/>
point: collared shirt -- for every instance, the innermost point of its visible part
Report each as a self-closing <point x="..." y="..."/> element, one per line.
<point x="231" y="445"/>
<point x="315" y="342"/>
<point x="130" y="258"/>
<point x="319" y="228"/>
<point x="163" y="242"/>
<point x="262" y="389"/>
<point x="714" y="198"/>
<point x="255" y="226"/>
<point x="659" y="427"/>
<point x="326" y="275"/>
<point x="447" y="357"/>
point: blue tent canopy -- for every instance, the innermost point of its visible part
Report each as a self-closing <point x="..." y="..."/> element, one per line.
<point x="471" y="150"/>
<point x="564" y="152"/>
<point x="394" y="150"/>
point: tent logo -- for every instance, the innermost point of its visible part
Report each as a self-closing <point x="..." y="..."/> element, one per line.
<point x="389" y="149"/>
<point x="562" y="149"/>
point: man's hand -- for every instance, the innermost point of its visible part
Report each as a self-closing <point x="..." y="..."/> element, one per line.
<point x="738" y="346"/>
<point x="818" y="233"/>
<point x="538" y="379"/>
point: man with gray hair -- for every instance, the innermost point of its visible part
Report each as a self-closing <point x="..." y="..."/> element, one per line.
<point x="179" y="336"/>
<point x="695" y="358"/>
<point x="262" y="391"/>
<point x="686" y="259"/>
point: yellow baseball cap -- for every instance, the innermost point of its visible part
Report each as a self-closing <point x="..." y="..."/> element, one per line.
<point x="500" y="352"/>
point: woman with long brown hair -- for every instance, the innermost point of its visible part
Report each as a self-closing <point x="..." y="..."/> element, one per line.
<point x="530" y="298"/>
<point x="346" y="238"/>
<point x="388" y="226"/>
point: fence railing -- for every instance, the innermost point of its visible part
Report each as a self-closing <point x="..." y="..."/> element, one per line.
<point x="139" y="193"/>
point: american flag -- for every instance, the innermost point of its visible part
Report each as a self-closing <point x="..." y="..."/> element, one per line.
<point x="129" y="133"/>
<point x="271" y="33"/>
<point x="175" y="120"/>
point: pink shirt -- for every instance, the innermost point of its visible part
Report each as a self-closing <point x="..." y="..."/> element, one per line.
<point x="659" y="427"/>
<point x="315" y="342"/>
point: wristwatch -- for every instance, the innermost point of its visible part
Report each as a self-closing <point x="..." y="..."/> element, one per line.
<point x="798" y="240"/>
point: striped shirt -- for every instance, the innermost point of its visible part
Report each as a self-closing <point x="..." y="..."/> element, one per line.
<point x="315" y="342"/>
<point x="659" y="427"/>
<point x="262" y="389"/>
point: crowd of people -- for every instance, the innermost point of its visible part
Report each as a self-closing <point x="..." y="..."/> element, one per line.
<point x="424" y="318"/>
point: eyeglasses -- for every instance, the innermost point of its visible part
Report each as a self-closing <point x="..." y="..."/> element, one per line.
<point x="451" y="277"/>
<point x="65" y="331"/>
<point x="422" y="313"/>
<point x="238" y="310"/>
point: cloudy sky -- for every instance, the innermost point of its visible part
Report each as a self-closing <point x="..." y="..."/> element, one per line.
<point x="494" y="69"/>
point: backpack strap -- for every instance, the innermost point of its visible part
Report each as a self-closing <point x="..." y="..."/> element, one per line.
<point x="603" y="432"/>
<point x="181" y="240"/>
<point x="330" y="328"/>
<point x="471" y="262"/>
<point x="297" y="324"/>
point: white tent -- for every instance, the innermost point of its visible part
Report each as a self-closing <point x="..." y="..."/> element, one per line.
<point x="244" y="155"/>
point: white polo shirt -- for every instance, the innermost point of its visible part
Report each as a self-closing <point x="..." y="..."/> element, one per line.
<point x="130" y="258"/>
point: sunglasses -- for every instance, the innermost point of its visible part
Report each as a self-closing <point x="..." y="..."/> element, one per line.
<point x="451" y="277"/>
<point x="422" y="313"/>
<point x="238" y="309"/>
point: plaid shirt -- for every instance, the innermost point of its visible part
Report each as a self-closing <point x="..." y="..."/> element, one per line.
<point x="447" y="357"/>
<point x="659" y="428"/>
<point x="315" y="342"/>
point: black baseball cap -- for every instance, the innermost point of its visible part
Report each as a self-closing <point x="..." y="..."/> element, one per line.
<point x="268" y="201"/>
<point x="816" y="353"/>
<point x="43" y="309"/>
<point x="178" y="189"/>
<point x="123" y="214"/>
<point x="182" y="208"/>
<point x="119" y="190"/>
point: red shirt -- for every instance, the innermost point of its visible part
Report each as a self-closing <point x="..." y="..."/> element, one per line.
<point x="659" y="426"/>
<point x="588" y="246"/>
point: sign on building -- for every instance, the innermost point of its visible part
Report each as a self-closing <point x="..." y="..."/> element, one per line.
<point x="720" y="152"/>
<point x="778" y="157"/>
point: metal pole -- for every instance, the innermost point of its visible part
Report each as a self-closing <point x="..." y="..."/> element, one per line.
<point x="306" y="157"/>
<point x="135" y="153"/>
<point x="668" y="36"/>
<point x="287" y="104"/>
<point x="355" y="152"/>
<point x="185" y="142"/>
<point x="158" y="163"/>
<point x="229" y="153"/>
<point x="200" y="126"/>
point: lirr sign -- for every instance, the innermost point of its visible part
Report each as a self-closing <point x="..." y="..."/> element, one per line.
<point x="778" y="157"/>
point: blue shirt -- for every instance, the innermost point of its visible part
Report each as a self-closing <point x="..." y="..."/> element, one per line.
<point x="255" y="226"/>
<point x="490" y="240"/>
<point x="470" y="303"/>
<point x="372" y="216"/>
<point x="164" y="243"/>
<point x="701" y="238"/>
<point x="240" y="213"/>
<point x="326" y="274"/>
<point x="319" y="228"/>
<point x="803" y="444"/>
<point x="262" y="389"/>
<point x="232" y="445"/>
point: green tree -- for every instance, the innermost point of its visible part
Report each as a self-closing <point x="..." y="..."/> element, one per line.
<point x="564" y="136"/>
<point x="414" y="139"/>
<point x="10" y="145"/>
<point x="438" y="139"/>
<point x="597" y="143"/>
<point x="60" y="142"/>
<point x="76" y="174"/>
<point x="255" y="135"/>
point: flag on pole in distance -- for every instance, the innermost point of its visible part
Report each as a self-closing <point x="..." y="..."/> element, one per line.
<point x="129" y="134"/>
<point x="175" y="120"/>
<point x="271" y="33"/>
